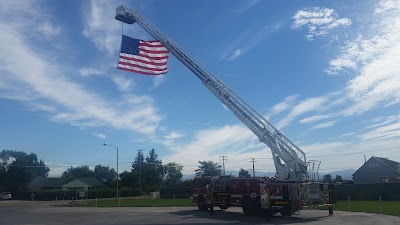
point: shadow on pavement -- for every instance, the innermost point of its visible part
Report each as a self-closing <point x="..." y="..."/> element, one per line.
<point x="239" y="217"/>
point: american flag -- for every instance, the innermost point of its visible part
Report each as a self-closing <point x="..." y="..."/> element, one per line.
<point x="143" y="57"/>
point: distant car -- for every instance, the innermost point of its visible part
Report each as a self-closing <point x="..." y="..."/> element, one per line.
<point x="5" y="196"/>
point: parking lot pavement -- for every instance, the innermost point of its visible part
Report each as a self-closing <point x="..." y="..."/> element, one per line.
<point x="35" y="213"/>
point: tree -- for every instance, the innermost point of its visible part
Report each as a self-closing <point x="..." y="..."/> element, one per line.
<point x="243" y="173"/>
<point x="152" y="171"/>
<point x="338" y="179"/>
<point x="327" y="178"/>
<point x="135" y="172"/>
<point x="173" y="173"/>
<point x="104" y="174"/>
<point x="18" y="168"/>
<point x="129" y="179"/>
<point x="208" y="168"/>
<point x="77" y="172"/>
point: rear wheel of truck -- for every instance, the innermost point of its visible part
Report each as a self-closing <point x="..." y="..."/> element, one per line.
<point x="201" y="203"/>
<point x="248" y="206"/>
<point x="286" y="212"/>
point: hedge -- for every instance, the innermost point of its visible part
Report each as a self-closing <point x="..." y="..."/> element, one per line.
<point x="46" y="195"/>
<point x="175" y="192"/>
<point x="370" y="192"/>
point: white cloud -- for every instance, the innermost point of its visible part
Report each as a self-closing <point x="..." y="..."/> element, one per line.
<point x="209" y="144"/>
<point x="88" y="71"/>
<point x="246" y="41"/>
<point x="48" y="30"/>
<point x="383" y="132"/>
<point x="319" y="21"/>
<point x="102" y="136"/>
<point x="316" y="118"/>
<point x="245" y="6"/>
<point x="44" y="79"/>
<point x="323" y="125"/>
<point x="373" y="57"/>
<point x="123" y="84"/>
<point x="101" y="28"/>
<point x="158" y="80"/>
<point x="281" y="106"/>
<point x="174" y="135"/>
<point x="308" y="105"/>
<point x="387" y="5"/>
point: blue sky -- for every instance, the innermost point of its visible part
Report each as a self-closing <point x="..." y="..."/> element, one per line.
<point x="326" y="73"/>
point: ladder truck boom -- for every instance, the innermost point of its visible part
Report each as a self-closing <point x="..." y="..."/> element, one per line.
<point x="290" y="161"/>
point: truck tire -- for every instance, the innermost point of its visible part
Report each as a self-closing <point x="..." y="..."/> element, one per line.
<point x="286" y="212"/>
<point x="223" y="207"/>
<point x="331" y="210"/>
<point x="248" y="206"/>
<point x="201" y="203"/>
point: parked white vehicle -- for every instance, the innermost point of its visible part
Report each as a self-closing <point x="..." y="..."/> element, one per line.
<point x="5" y="195"/>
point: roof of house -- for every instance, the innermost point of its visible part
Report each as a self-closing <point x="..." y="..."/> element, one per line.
<point x="48" y="182"/>
<point x="390" y="163"/>
<point x="84" y="182"/>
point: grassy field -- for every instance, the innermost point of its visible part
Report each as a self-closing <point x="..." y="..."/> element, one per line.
<point x="137" y="202"/>
<point x="388" y="207"/>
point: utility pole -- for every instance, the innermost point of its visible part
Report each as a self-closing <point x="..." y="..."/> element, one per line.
<point x="224" y="158"/>
<point x="140" y="170"/>
<point x="254" y="172"/>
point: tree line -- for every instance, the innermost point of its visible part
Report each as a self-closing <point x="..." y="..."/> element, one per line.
<point x="18" y="168"/>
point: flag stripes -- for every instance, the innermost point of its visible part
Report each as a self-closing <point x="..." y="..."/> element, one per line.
<point x="143" y="57"/>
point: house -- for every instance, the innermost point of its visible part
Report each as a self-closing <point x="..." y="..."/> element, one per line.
<point x="49" y="183"/>
<point x="377" y="170"/>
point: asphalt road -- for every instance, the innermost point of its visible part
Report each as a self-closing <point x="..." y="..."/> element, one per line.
<point x="35" y="213"/>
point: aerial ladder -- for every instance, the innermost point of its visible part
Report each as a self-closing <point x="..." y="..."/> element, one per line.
<point x="290" y="161"/>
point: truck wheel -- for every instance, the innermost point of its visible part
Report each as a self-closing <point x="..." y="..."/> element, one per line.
<point x="286" y="212"/>
<point x="223" y="207"/>
<point x="331" y="210"/>
<point x="248" y="207"/>
<point x="201" y="203"/>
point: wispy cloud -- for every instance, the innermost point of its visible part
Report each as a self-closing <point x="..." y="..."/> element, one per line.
<point x="323" y="125"/>
<point x="318" y="21"/>
<point x="100" y="28"/>
<point x="382" y="132"/>
<point x="209" y="144"/>
<point x="375" y="61"/>
<point x="43" y="79"/>
<point x="308" y="105"/>
<point x="286" y="104"/>
<point x="246" y="41"/>
<point x="123" y="83"/>
<point x="244" y="6"/>
<point x="174" y="135"/>
<point x="89" y="71"/>
<point x="158" y="80"/>
<point x="102" y="136"/>
<point x="316" y="118"/>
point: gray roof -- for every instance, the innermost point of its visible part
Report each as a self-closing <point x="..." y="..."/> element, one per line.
<point x="47" y="182"/>
<point x="390" y="163"/>
<point x="84" y="182"/>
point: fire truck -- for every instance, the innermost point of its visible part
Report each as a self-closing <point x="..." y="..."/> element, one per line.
<point x="260" y="195"/>
<point x="288" y="192"/>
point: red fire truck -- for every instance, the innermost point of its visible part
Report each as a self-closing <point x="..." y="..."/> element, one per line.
<point x="260" y="195"/>
<point x="289" y="191"/>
